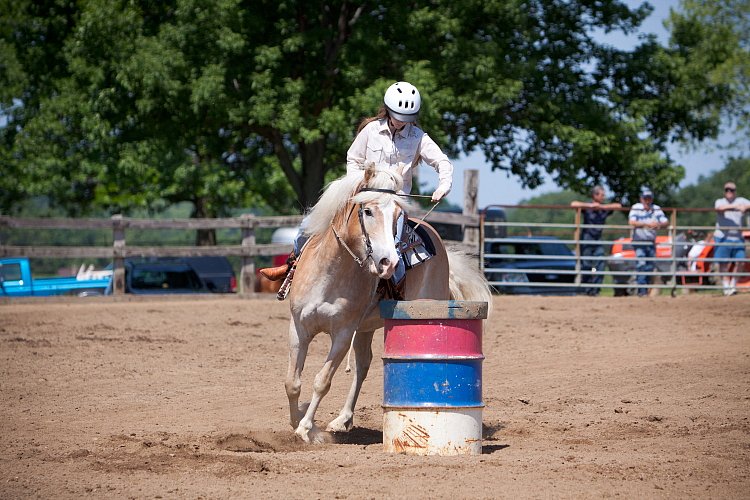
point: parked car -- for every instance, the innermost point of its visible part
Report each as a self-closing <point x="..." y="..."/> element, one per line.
<point x="16" y="281"/>
<point x="494" y="214"/>
<point x="216" y="272"/>
<point x="161" y="276"/>
<point x="512" y="270"/>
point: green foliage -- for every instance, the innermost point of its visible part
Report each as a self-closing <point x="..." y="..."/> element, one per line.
<point x="715" y="39"/>
<point x="139" y="105"/>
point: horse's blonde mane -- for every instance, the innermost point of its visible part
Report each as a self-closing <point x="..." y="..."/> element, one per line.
<point x="345" y="190"/>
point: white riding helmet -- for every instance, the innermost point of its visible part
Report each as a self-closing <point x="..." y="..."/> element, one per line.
<point x="402" y="100"/>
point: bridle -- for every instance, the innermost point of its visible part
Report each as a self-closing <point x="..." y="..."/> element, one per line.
<point x="365" y="234"/>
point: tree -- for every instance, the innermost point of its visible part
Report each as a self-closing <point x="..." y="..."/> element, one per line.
<point x="227" y="103"/>
<point x="719" y="31"/>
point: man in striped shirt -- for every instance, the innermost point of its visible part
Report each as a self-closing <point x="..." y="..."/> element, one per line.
<point x="645" y="218"/>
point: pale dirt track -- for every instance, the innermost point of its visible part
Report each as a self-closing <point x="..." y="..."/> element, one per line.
<point x="629" y="398"/>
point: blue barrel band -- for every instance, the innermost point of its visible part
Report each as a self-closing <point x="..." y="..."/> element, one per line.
<point x="432" y="382"/>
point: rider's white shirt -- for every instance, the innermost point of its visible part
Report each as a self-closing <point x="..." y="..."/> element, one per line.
<point x="409" y="146"/>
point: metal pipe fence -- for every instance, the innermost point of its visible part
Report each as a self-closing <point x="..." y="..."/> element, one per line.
<point x="553" y="258"/>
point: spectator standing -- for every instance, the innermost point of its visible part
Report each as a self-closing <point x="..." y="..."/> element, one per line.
<point x="728" y="234"/>
<point x="646" y="218"/>
<point x="595" y="213"/>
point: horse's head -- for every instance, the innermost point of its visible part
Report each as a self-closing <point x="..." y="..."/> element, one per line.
<point x="379" y="207"/>
<point x="363" y="208"/>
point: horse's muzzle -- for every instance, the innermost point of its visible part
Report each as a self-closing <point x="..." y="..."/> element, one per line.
<point x="385" y="268"/>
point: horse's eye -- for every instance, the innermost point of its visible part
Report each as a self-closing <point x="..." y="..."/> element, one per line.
<point x="368" y="212"/>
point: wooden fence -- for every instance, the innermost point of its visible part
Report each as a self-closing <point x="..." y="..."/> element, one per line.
<point x="247" y="248"/>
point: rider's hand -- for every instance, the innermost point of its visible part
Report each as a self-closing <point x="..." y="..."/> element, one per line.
<point x="439" y="194"/>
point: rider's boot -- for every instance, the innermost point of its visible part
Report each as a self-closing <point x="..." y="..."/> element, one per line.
<point x="279" y="272"/>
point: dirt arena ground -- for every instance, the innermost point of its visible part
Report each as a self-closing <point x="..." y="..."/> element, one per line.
<point x="585" y="398"/>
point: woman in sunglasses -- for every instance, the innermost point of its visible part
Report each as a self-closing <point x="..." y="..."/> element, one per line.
<point x="728" y="235"/>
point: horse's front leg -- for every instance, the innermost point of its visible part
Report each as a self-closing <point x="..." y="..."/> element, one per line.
<point x="362" y="346"/>
<point x="297" y="354"/>
<point x="339" y="344"/>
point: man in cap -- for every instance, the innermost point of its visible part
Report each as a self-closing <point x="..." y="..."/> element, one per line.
<point x="728" y="235"/>
<point x="645" y="218"/>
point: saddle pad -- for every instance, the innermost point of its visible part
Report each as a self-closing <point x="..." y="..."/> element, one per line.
<point x="416" y="245"/>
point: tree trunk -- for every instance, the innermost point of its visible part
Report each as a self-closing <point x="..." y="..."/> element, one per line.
<point x="204" y="237"/>
<point x="313" y="178"/>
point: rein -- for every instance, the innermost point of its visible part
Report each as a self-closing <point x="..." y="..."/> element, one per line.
<point x="391" y="191"/>
<point x="365" y="235"/>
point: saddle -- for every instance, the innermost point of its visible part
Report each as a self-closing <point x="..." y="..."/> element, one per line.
<point x="416" y="244"/>
<point x="416" y="247"/>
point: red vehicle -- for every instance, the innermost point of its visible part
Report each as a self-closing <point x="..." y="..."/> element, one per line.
<point x="623" y="260"/>
<point x="690" y="272"/>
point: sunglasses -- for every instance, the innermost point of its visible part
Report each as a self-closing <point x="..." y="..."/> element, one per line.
<point x="730" y="189"/>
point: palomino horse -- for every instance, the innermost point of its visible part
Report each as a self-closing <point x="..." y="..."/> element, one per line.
<point x="351" y="248"/>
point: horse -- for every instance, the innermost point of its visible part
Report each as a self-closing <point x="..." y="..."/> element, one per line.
<point x="335" y="287"/>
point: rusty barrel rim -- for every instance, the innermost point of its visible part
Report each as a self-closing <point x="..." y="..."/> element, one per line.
<point x="433" y="309"/>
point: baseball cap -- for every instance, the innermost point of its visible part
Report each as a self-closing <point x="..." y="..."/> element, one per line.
<point x="646" y="192"/>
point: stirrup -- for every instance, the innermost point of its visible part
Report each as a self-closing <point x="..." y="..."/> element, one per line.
<point x="287" y="284"/>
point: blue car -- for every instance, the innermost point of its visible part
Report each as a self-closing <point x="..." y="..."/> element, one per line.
<point x="530" y="265"/>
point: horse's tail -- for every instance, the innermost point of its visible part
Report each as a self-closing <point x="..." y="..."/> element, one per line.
<point x="467" y="282"/>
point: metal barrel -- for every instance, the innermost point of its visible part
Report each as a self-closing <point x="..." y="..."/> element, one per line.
<point x="432" y="377"/>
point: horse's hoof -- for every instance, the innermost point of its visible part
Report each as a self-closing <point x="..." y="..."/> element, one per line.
<point x="313" y="436"/>
<point x="302" y="434"/>
<point x="340" y="424"/>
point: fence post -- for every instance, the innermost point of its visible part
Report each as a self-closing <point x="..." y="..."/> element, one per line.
<point x="247" y="273"/>
<point x="471" y="188"/>
<point x="118" y="258"/>
<point x="577" y="236"/>
<point x="481" y="240"/>
<point x="673" y="237"/>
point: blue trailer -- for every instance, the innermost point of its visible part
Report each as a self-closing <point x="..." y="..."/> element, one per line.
<point x="16" y="281"/>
